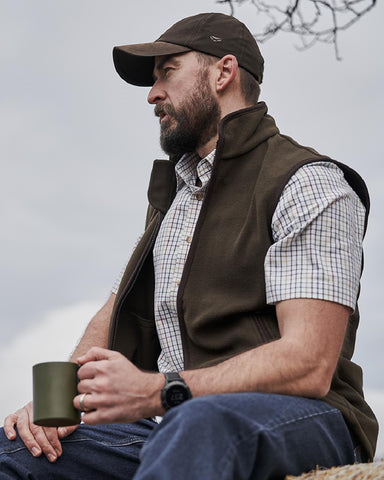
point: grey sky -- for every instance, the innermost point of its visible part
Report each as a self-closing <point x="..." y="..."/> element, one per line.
<point x="77" y="144"/>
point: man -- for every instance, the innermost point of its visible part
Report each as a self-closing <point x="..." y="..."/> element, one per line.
<point x="236" y="316"/>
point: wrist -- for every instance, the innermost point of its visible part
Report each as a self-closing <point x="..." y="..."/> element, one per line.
<point x="155" y="383"/>
<point x="175" y="391"/>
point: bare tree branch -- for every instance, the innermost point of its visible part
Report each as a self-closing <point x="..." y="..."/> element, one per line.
<point x="311" y="20"/>
<point x="229" y="2"/>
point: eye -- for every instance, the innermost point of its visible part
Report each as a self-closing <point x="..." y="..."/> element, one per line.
<point x="166" y="71"/>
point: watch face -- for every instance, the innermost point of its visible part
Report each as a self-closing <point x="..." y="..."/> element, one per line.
<point x="176" y="394"/>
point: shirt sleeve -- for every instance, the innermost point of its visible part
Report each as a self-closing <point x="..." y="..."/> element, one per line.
<point x="318" y="229"/>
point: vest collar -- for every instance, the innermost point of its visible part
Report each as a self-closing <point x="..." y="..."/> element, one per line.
<point x="244" y="130"/>
<point x="239" y="132"/>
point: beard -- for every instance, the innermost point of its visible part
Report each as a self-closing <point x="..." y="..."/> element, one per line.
<point x="193" y="123"/>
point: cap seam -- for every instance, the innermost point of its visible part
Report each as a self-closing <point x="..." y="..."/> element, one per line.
<point x="201" y="24"/>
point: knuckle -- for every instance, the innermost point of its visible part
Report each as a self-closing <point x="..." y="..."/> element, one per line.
<point x="10" y="420"/>
<point x="35" y="429"/>
<point x="80" y="387"/>
<point x="29" y="441"/>
<point x="100" y="367"/>
<point x="21" y="414"/>
<point x="102" y="403"/>
<point x="101" y="383"/>
<point x="43" y="442"/>
<point x="94" y="350"/>
<point x="104" y="417"/>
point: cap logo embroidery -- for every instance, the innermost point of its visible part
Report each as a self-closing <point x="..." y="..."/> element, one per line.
<point x="215" y="39"/>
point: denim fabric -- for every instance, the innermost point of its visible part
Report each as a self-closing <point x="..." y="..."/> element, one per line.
<point x="246" y="436"/>
<point x="232" y="436"/>
<point x="103" y="452"/>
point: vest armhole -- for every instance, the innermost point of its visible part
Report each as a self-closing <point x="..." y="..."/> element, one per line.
<point x="351" y="176"/>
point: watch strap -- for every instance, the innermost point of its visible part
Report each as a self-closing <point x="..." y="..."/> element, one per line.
<point x="172" y="376"/>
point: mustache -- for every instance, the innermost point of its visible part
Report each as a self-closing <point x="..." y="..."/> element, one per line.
<point x="164" y="109"/>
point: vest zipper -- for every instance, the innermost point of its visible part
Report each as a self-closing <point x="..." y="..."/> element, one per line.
<point x="191" y="253"/>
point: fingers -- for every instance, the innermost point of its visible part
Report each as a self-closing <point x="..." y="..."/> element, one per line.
<point x="9" y="424"/>
<point x="37" y="439"/>
<point x="43" y="439"/>
<point x="65" y="431"/>
<point x="95" y="418"/>
<point x="84" y="402"/>
<point x="94" y="362"/>
<point x="95" y="354"/>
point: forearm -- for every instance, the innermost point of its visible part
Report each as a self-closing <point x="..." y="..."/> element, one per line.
<point x="275" y="367"/>
<point x="302" y="362"/>
<point x="97" y="331"/>
<point x="272" y="368"/>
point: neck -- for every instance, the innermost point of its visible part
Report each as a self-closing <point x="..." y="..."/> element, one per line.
<point x="207" y="148"/>
<point x="226" y="109"/>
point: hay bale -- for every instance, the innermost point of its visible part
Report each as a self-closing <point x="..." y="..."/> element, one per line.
<point x="358" y="471"/>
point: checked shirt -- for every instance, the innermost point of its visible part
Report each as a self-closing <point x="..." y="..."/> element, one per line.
<point x="317" y="228"/>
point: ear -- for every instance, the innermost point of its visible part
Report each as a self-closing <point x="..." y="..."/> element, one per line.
<point x="228" y="68"/>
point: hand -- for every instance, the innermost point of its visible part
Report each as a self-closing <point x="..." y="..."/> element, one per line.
<point x="37" y="439"/>
<point x="115" y="390"/>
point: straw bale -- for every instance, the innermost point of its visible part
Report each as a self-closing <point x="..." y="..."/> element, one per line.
<point x="358" y="471"/>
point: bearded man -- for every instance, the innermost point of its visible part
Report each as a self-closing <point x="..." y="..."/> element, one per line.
<point x="236" y="316"/>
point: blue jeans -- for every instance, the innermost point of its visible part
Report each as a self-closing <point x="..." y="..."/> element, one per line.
<point x="230" y="436"/>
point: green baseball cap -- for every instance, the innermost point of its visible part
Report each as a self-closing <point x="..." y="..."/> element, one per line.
<point x="215" y="34"/>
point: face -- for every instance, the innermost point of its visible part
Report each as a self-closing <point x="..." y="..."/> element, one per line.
<point x="185" y="103"/>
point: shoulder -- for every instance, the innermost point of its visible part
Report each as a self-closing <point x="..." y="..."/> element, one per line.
<point x="320" y="181"/>
<point x="311" y="191"/>
<point x="318" y="175"/>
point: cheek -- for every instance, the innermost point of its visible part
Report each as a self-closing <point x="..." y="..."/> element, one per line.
<point x="180" y="89"/>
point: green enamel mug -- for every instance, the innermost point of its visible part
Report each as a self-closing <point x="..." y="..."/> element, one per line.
<point x="54" y="387"/>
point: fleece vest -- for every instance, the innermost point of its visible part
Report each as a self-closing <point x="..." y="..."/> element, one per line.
<point x="221" y="301"/>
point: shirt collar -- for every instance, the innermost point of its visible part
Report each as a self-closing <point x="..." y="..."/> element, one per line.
<point x="191" y="165"/>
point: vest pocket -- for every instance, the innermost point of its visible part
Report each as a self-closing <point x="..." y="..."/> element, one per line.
<point x="148" y="347"/>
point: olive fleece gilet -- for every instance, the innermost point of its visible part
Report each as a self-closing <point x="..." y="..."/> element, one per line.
<point x="221" y="299"/>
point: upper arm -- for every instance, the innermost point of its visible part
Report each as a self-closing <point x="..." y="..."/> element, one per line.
<point x="318" y="228"/>
<point x="97" y="331"/>
<point x="108" y="307"/>
<point x="313" y="268"/>
<point x="102" y="319"/>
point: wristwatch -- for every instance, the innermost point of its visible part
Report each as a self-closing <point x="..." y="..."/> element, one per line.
<point x="175" y="391"/>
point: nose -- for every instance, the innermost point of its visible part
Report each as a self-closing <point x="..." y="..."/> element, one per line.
<point x="156" y="94"/>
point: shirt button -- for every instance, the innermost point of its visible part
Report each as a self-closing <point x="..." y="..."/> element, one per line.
<point x="199" y="196"/>
<point x="189" y="239"/>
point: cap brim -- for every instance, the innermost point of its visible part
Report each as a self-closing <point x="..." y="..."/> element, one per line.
<point x="134" y="63"/>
